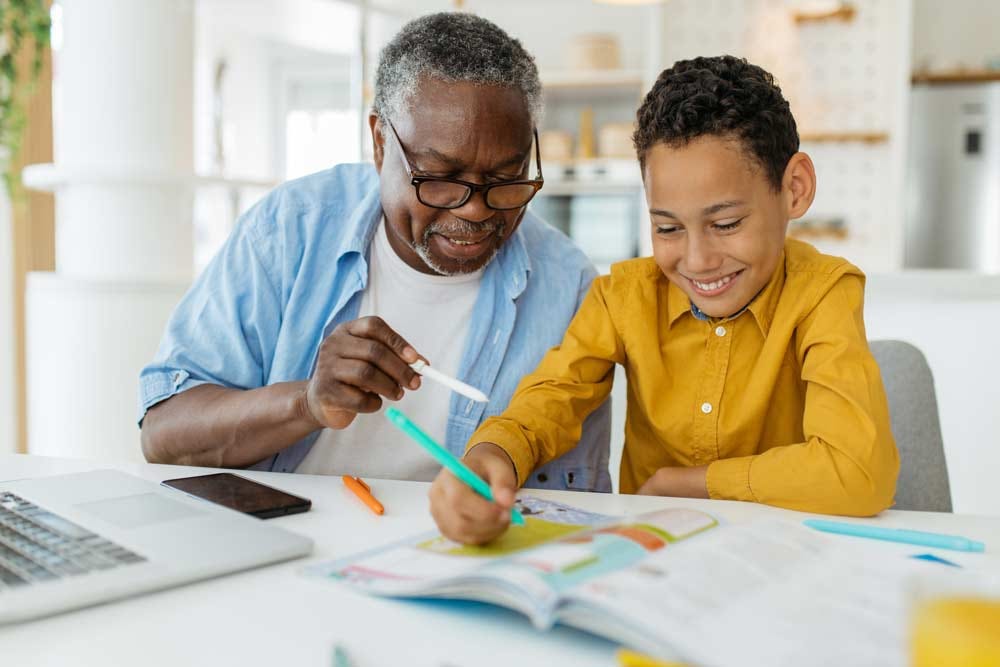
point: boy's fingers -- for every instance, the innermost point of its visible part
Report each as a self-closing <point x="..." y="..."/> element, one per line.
<point x="503" y="496"/>
<point x="460" y="528"/>
<point x="463" y="515"/>
<point x="472" y="506"/>
<point x="471" y="518"/>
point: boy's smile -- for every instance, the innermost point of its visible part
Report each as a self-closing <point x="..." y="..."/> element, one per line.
<point x="710" y="287"/>
<point x="718" y="226"/>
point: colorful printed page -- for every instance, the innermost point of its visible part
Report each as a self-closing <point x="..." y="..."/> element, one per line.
<point x="766" y="593"/>
<point x="529" y="567"/>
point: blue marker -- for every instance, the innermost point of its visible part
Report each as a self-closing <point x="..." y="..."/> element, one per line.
<point x="931" y="558"/>
<point x="921" y="538"/>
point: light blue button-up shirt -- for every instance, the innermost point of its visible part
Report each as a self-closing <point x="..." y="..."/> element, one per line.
<point x="296" y="266"/>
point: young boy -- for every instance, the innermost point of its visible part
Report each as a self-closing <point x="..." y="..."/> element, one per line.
<point x="749" y="373"/>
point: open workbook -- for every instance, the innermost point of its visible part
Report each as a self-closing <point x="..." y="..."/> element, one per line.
<point x="674" y="583"/>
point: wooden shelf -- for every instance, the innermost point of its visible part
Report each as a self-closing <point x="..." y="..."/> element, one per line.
<point x="843" y="12"/>
<point x="844" y="137"/>
<point x="956" y="76"/>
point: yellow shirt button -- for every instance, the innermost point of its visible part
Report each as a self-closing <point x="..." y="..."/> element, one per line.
<point x="706" y="407"/>
<point x="720" y="331"/>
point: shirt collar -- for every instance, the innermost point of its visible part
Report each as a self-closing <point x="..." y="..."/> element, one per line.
<point x="762" y="306"/>
<point x="365" y="219"/>
<point x="512" y="264"/>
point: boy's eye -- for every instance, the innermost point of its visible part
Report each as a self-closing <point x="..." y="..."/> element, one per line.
<point x="728" y="226"/>
<point x="666" y="230"/>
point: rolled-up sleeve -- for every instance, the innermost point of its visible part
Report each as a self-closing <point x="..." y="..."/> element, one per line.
<point x="848" y="462"/>
<point x="225" y="329"/>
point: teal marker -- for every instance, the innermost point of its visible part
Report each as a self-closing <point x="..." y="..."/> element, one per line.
<point x="921" y="538"/>
<point x="448" y="460"/>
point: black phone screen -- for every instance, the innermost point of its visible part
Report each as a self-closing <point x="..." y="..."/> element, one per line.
<point x="241" y="494"/>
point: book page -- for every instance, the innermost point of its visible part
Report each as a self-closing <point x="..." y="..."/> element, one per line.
<point x="766" y="593"/>
<point x="526" y="569"/>
<point x="412" y="565"/>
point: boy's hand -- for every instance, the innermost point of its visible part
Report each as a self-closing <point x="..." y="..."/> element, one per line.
<point x="462" y="515"/>
<point x="677" y="482"/>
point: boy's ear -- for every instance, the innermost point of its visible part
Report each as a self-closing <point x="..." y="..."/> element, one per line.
<point x="378" y="140"/>
<point x="798" y="186"/>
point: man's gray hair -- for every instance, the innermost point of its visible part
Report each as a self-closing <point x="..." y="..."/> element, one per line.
<point x="453" y="46"/>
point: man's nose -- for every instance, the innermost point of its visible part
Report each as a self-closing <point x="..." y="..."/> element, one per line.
<point x="474" y="209"/>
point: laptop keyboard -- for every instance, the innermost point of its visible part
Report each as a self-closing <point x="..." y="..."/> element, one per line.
<point x="37" y="545"/>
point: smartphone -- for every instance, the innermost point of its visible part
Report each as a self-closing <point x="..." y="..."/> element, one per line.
<point x="241" y="494"/>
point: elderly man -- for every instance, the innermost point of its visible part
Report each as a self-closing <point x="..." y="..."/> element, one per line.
<point x="286" y="347"/>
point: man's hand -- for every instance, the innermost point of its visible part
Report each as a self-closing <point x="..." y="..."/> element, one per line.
<point x="677" y="482"/>
<point x="359" y="362"/>
<point x="463" y="515"/>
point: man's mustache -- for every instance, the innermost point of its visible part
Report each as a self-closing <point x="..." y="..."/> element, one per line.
<point x="460" y="227"/>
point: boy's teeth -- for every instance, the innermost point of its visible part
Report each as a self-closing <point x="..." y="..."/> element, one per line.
<point x="708" y="287"/>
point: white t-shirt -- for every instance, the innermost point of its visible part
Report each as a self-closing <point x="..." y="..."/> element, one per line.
<point x="432" y="314"/>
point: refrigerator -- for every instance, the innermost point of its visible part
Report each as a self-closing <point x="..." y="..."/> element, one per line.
<point x="953" y="177"/>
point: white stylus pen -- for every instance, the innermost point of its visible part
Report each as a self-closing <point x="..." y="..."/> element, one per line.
<point x="423" y="368"/>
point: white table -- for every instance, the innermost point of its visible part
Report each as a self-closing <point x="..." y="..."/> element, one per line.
<point x="275" y="616"/>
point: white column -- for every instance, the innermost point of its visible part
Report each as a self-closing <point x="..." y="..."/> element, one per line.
<point x="123" y="182"/>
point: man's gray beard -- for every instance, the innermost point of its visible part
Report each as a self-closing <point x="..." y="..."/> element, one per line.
<point x="461" y="227"/>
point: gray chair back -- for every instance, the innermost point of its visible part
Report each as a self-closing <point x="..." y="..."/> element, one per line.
<point x="913" y="412"/>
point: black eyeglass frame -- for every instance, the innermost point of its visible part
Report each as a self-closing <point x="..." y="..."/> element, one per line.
<point x="417" y="179"/>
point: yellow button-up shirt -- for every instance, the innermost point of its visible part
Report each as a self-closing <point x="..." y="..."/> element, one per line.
<point x="784" y="402"/>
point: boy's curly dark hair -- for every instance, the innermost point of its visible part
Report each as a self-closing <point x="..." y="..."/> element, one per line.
<point x="720" y="96"/>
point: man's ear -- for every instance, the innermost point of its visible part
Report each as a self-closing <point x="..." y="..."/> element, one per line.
<point x="798" y="185"/>
<point x="378" y="140"/>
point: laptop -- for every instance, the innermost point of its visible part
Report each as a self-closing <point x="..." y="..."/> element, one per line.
<point x="72" y="541"/>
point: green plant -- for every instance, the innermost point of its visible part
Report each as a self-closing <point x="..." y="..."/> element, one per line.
<point x="23" y="24"/>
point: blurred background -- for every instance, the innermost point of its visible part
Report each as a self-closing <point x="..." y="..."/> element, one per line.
<point x="147" y="126"/>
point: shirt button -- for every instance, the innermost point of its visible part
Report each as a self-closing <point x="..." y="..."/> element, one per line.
<point x="720" y="331"/>
<point x="706" y="407"/>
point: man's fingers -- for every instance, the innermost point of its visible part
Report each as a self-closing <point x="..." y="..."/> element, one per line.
<point x="367" y="377"/>
<point x="376" y="328"/>
<point x="371" y="339"/>
<point x="334" y="396"/>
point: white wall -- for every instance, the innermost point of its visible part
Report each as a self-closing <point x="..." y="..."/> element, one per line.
<point x="953" y="318"/>
<point x="837" y="77"/>
<point x="254" y="38"/>
<point x="956" y="33"/>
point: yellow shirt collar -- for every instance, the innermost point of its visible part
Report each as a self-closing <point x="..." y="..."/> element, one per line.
<point x="762" y="307"/>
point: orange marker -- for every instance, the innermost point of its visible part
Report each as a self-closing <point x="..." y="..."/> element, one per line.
<point x="364" y="492"/>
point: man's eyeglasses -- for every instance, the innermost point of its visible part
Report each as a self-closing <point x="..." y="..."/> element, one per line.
<point x="448" y="193"/>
